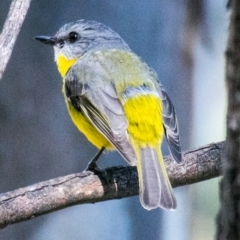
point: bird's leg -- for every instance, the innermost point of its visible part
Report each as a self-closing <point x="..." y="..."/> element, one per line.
<point x="92" y="165"/>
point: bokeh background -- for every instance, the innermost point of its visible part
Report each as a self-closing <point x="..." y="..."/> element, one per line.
<point x="184" y="41"/>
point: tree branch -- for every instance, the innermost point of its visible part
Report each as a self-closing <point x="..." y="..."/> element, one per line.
<point x="11" y="28"/>
<point x="112" y="183"/>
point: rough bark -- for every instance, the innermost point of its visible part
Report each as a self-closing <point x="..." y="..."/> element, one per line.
<point x="229" y="215"/>
<point x="113" y="183"/>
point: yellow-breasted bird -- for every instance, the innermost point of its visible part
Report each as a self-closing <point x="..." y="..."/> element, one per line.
<point x="117" y="102"/>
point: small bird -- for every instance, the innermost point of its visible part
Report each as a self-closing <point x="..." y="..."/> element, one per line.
<point x="118" y="103"/>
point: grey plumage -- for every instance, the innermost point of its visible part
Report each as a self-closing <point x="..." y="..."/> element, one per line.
<point x="155" y="183"/>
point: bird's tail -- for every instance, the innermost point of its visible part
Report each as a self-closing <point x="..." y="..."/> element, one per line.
<point x="155" y="189"/>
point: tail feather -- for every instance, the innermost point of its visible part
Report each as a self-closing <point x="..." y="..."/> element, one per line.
<point x="155" y="187"/>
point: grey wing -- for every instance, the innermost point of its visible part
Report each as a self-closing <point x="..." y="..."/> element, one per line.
<point x="103" y="108"/>
<point x="170" y="125"/>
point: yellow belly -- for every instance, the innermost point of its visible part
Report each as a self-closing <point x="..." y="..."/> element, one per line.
<point x="86" y="127"/>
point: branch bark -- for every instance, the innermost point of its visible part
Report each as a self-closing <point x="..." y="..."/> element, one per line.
<point x="112" y="183"/>
<point x="11" y="28"/>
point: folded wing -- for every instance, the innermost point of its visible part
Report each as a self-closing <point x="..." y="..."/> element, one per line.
<point x="170" y="125"/>
<point x="101" y="105"/>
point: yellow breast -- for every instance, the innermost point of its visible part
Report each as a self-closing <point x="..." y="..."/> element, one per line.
<point x="81" y="122"/>
<point x="86" y="127"/>
<point x="64" y="64"/>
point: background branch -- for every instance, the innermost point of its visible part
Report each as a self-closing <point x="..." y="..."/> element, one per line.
<point x="11" y="28"/>
<point x="113" y="183"/>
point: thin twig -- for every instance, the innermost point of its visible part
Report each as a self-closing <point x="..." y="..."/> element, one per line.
<point x="11" y="28"/>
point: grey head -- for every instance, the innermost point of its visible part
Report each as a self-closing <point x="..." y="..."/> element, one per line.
<point x="74" y="39"/>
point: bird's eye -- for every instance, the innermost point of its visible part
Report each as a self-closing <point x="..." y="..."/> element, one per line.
<point x="73" y="37"/>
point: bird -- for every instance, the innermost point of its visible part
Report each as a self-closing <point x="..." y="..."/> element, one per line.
<point x="117" y="101"/>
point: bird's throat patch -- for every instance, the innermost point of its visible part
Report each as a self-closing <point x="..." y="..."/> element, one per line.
<point x="64" y="64"/>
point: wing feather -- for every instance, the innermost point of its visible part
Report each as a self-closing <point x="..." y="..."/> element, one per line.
<point x="170" y="125"/>
<point x="105" y="111"/>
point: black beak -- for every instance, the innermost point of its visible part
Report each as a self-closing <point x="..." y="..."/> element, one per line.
<point x="46" y="40"/>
